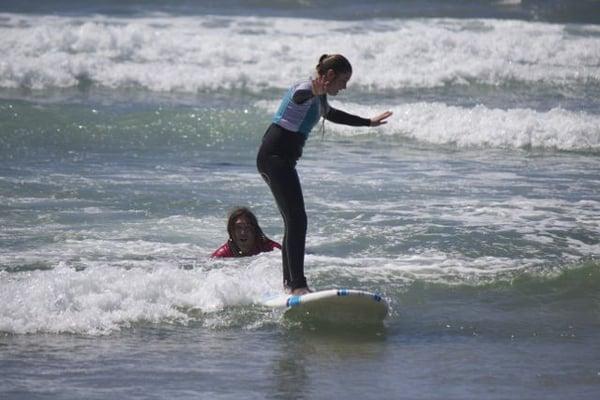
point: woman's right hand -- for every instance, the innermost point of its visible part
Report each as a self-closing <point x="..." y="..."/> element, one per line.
<point x="319" y="85"/>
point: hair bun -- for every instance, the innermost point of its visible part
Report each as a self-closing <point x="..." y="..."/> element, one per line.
<point x="337" y="62"/>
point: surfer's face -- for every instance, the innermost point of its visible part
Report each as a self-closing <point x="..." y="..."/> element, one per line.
<point x="244" y="234"/>
<point x="337" y="82"/>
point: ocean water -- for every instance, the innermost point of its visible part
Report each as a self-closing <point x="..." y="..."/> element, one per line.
<point x="128" y="130"/>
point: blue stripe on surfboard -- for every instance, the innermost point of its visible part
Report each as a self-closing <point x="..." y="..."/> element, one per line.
<point x="293" y="301"/>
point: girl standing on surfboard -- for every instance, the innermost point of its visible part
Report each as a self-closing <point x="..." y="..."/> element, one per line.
<point x="300" y="110"/>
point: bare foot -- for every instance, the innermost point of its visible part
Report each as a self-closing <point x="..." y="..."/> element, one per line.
<point x="300" y="291"/>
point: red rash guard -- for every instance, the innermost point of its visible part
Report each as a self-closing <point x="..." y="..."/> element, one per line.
<point x="262" y="247"/>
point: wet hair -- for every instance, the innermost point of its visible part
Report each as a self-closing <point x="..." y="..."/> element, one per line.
<point x="244" y="212"/>
<point x="233" y="216"/>
<point x="336" y="62"/>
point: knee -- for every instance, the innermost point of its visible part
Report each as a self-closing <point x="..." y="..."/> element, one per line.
<point x="298" y="219"/>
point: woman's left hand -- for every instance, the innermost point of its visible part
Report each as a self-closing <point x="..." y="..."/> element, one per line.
<point x="380" y="119"/>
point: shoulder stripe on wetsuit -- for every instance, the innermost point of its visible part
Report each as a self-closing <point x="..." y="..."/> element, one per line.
<point x="300" y="117"/>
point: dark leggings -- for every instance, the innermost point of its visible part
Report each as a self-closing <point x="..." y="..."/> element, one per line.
<point x="276" y="162"/>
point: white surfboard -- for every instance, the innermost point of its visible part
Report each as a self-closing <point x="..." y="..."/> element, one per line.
<point x="332" y="305"/>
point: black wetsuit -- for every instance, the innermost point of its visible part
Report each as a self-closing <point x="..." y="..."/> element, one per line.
<point x="276" y="161"/>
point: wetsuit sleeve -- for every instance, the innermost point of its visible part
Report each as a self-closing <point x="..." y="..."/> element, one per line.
<point x="341" y="117"/>
<point x="302" y="95"/>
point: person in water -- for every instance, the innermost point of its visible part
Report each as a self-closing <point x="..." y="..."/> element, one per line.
<point x="246" y="238"/>
<point x="300" y="110"/>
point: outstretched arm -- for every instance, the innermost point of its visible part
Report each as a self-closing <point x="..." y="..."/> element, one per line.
<point x="341" y="117"/>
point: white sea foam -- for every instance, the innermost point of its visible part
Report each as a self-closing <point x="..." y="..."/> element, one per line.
<point x="167" y="53"/>
<point x="441" y="124"/>
<point x="127" y="244"/>
<point x="105" y="298"/>
<point x="484" y="127"/>
<point x="429" y="265"/>
<point x="102" y="299"/>
<point x="476" y="203"/>
<point x="127" y="280"/>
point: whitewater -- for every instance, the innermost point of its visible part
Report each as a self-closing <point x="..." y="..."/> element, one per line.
<point x="129" y="131"/>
